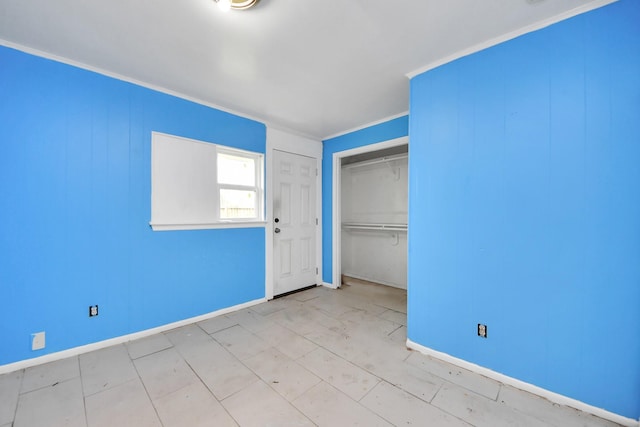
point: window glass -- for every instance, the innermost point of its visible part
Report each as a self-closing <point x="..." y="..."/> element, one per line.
<point x="237" y="204"/>
<point x="236" y="170"/>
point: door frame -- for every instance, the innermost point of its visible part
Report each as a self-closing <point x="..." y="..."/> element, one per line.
<point x="336" y="213"/>
<point x="295" y="144"/>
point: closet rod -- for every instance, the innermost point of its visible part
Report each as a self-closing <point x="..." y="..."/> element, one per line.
<point x="376" y="161"/>
<point x="369" y="226"/>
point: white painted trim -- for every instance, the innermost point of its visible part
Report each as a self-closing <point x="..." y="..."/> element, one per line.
<point x="292" y="132"/>
<point x="512" y="35"/>
<point x="329" y="285"/>
<point x="293" y="143"/>
<point x="221" y="224"/>
<point x="368" y="279"/>
<point x="514" y="382"/>
<point x="336" y="219"/>
<point x="377" y="122"/>
<point x="123" y="78"/>
<point x="281" y="140"/>
<point x="52" y="357"/>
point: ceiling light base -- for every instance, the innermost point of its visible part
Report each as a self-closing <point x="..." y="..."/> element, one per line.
<point x="236" y="4"/>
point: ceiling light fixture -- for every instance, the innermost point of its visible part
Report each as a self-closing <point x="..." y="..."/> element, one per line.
<point x="236" y="4"/>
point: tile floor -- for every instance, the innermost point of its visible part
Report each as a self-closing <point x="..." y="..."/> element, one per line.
<point x="319" y="357"/>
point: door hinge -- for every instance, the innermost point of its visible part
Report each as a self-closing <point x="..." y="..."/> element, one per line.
<point x="316" y="221"/>
<point x="316" y="270"/>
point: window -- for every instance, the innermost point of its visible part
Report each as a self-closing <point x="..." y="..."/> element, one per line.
<point x="237" y="185"/>
<point x="196" y="185"/>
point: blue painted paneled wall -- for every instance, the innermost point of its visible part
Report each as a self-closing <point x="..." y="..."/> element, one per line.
<point x="525" y="208"/>
<point x="391" y="129"/>
<point x="75" y="190"/>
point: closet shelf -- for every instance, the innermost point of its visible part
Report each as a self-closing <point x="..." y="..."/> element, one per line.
<point x="385" y="159"/>
<point x="371" y="226"/>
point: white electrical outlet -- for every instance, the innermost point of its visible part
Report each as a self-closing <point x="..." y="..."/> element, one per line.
<point x="37" y="341"/>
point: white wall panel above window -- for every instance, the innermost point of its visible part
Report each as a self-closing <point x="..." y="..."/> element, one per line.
<point x="199" y="185"/>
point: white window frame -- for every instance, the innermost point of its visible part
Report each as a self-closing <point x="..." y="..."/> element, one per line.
<point x="258" y="160"/>
<point x="164" y="217"/>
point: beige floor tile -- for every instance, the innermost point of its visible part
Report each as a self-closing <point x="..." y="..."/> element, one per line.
<point x="187" y="335"/>
<point x="369" y="348"/>
<point x="192" y="406"/>
<point x="216" y="324"/>
<point x="123" y="406"/>
<point x="373" y="306"/>
<point x="50" y="373"/>
<point x="361" y="323"/>
<point x="544" y="410"/>
<point x="249" y="319"/>
<point x="401" y="408"/>
<point x="200" y="349"/>
<point x="9" y="390"/>
<point x="307" y="295"/>
<point x="395" y="317"/>
<point x="356" y="346"/>
<point x="269" y="307"/>
<point x="462" y="377"/>
<point x="303" y="319"/>
<point x="148" y="345"/>
<point x="480" y="411"/>
<point x="296" y="318"/>
<point x="225" y="379"/>
<point x="399" y="336"/>
<point x="411" y="379"/>
<point x="336" y="342"/>
<point x="259" y="405"/>
<point x="240" y="342"/>
<point x="106" y="368"/>
<point x="164" y="372"/>
<point x="330" y="306"/>
<point x="396" y="303"/>
<point x="56" y="405"/>
<point x="220" y="371"/>
<point x="346" y="377"/>
<point x="327" y="406"/>
<point x="288" y="342"/>
<point x="282" y="374"/>
<point x="384" y="296"/>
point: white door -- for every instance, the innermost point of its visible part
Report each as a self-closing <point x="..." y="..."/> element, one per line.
<point x="294" y="221"/>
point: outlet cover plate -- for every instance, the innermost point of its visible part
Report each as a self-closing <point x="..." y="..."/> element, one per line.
<point x="37" y="341"/>
<point x="93" y="310"/>
<point x="482" y="330"/>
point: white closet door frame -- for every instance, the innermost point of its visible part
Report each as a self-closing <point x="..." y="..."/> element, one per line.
<point x="336" y="219"/>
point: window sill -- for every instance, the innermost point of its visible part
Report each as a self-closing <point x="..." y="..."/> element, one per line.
<point x="226" y="224"/>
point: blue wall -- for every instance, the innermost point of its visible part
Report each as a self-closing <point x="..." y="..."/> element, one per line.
<point x="75" y="188"/>
<point x="391" y="129"/>
<point x="525" y="208"/>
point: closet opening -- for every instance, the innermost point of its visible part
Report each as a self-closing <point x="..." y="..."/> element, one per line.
<point x="370" y="204"/>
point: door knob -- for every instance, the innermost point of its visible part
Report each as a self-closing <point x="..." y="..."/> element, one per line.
<point x="277" y="230"/>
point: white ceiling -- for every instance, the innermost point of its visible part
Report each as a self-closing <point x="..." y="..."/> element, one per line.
<point x="315" y="67"/>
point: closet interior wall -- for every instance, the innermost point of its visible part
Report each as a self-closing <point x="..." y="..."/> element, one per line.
<point x="374" y="195"/>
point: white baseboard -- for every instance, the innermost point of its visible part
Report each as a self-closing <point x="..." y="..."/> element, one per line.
<point x="539" y="391"/>
<point x="374" y="280"/>
<point x="52" y="357"/>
